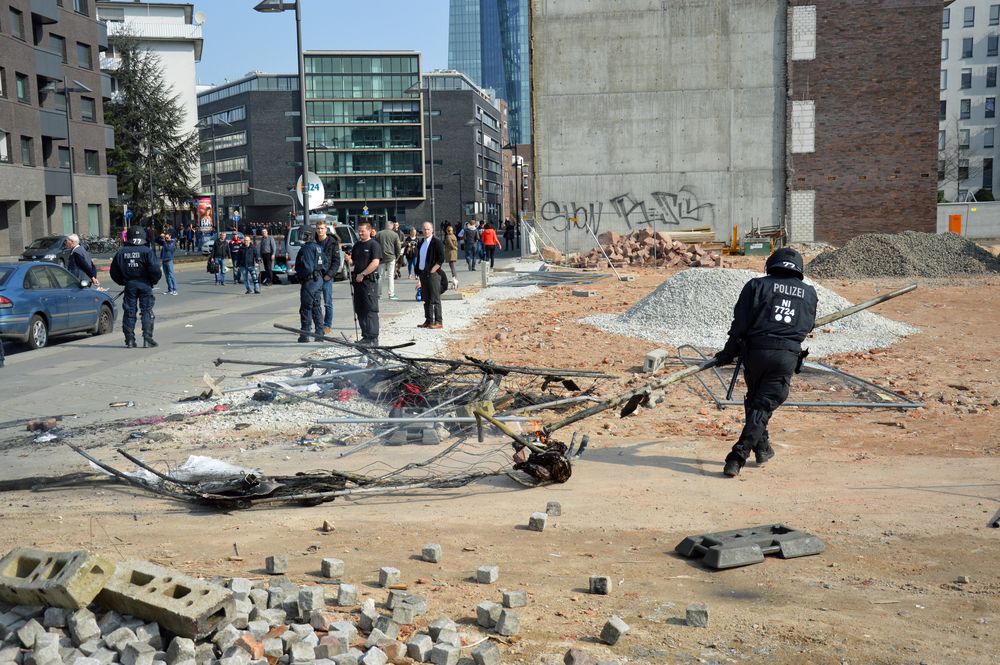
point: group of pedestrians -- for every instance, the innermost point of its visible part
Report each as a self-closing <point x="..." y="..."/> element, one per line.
<point x="480" y="242"/>
<point x="245" y="256"/>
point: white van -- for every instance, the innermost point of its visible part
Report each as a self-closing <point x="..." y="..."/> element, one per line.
<point x="347" y="236"/>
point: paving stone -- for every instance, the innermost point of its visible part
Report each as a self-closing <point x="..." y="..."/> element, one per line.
<point x="29" y="632"/>
<point x="9" y="653"/>
<point x="393" y="649"/>
<point x="509" y="623"/>
<point x="516" y="598"/>
<point x="204" y="653"/>
<point x="109" y="622"/>
<point x="290" y="638"/>
<point x="180" y="649"/>
<point x="487" y="574"/>
<point x="404" y="614"/>
<point x="347" y="595"/>
<point x="332" y="568"/>
<point x="349" y="658"/>
<point x="226" y="636"/>
<point x="486" y="653"/>
<point x="449" y="636"/>
<point x="487" y="614"/>
<point x="387" y="576"/>
<point x="431" y="553"/>
<point x="312" y="639"/>
<point x="82" y="626"/>
<point x="276" y="564"/>
<point x="273" y="617"/>
<point x="373" y="638"/>
<point x="419" y="647"/>
<point x="258" y="628"/>
<point x="368" y="615"/>
<point x="395" y="597"/>
<point x="697" y="615"/>
<point x="311" y="599"/>
<point x="301" y="629"/>
<point x="291" y="607"/>
<point x="613" y="630"/>
<point x="579" y="657"/>
<point x="388" y="627"/>
<point x="90" y="647"/>
<point x="105" y="656"/>
<point x="553" y="509"/>
<point x="374" y="656"/>
<point x="537" y="521"/>
<point x="69" y="654"/>
<point x="275" y="597"/>
<point x="417" y="603"/>
<point x="251" y="645"/>
<point x="83" y="660"/>
<point x="28" y="611"/>
<point x="345" y="627"/>
<point x="150" y="634"/>
<point x="235" y="656"/>
<point x="445" y="654"/>
<point x="259" y="597"/>
<point x="241" y="587"/>
<point x="332" y="645"/>
<point x="55" y="617"/>
<point x="273" y="647"/>
<point x="138" y="653"/>
<point x="302" y="653"/>
<point x="121" y="638"/>
<point x="600" y="585"/>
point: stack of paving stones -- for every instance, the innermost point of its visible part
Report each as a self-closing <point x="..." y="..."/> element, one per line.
<point x="645" y="248"/>
<point x="275" y="622"/>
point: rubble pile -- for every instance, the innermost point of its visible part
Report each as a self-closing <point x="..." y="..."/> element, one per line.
<point x="645" y="248"/>
<point x="696" y="307"/>
<point x="907" y="254"/>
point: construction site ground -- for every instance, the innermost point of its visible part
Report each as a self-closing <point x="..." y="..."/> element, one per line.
<point x="901" y="499"/>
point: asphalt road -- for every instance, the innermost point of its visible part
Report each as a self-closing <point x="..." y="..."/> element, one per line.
<point x="84" y="375"/>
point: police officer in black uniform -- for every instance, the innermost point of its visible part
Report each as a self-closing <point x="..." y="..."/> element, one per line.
<point x="771" y="318"/>
<point x="309" y="266"/>
<point x="366" y="255"/>
<point x="136" y="268"/>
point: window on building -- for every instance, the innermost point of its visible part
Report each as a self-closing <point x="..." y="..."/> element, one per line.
<point x="59" y="46"/>
<point x="3" y="82"/>
<point x="988" y="173"/>
<point x="88" y="109"/>
<point x="991" y="77"/>
<point x="963" y="169"/>
<point x="991" y="107"/>
<point x="970" y="17"/>
<point x="966" y="78"/>
<point x="27" y="151"/>
<point x="988" y="137"/>
<point x="946" y="19"/>
<point x="4" y="147"/>
<point x="63" y="157"/>
<point x="23" y="88"/>
<point x="17" y="24"/>
<point x="944" y="49"/>
<point x="80" y="7"/>
<point x="944" y="79"/>
<point x="963" y="138"/>
<point x="84" y="56"/>
<point x="967" y="47"/>
<point x="91" y="162"/>
<point x="942" y="139"/>
<point x="965" y="109"/>
<point x="943" y="114"/>
<point x="992" y="42"/>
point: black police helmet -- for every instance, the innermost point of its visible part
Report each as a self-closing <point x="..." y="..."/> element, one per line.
<point x="785" y="260"/>
<point x="306" y="234"/>
<point x="136" y="235"/>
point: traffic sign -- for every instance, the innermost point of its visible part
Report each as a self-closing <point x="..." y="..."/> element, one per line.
<point x="236" y="215"/>
<point x="364" y="211"/>
<point x="316" y="190"/>
<point x="128" y="215"/>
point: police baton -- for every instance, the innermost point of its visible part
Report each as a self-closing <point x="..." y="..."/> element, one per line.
<point x="350" y="278"/>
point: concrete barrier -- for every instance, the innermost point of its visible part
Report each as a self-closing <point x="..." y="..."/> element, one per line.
<point x="180" y="604"/>
<point x="54" y="579"/>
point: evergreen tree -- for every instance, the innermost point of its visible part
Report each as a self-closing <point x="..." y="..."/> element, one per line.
<point x="150" y="146"/>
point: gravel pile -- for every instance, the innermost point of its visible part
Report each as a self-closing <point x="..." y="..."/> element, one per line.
<point x="904" y="255"/>
<point x="696" y="307"/>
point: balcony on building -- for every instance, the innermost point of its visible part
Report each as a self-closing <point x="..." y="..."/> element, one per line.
<point x="45" y="11"/>
<point x="48" y="64"/>
<point x="102" y="36"/>
<point x="56" y="182"/>
<point x="148" y="30"/>
<point x="53" y="123"/>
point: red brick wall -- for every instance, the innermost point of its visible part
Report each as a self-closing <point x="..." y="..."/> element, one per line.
<point x="875" y="84"/>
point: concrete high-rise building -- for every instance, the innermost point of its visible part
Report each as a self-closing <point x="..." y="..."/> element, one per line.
<point x="967" y="117"/>
<point x="49" y="55"/>
<point x="488" y="40"/>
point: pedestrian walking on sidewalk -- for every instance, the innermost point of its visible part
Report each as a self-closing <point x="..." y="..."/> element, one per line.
<point x="451" y="251"/>
<point x="366" y="255"/>
<point x="490" y="242"/>
<point x="430" y="258"/>
<point x="470" y="243"/>
<point x="772" y="317"/>
<point x="249" y="258"/>
<point x="391" y="246"/>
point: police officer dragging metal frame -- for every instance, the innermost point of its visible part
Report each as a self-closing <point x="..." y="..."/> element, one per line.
<point x="136" y="267"/>
<point x="309" y="268"/>
<point x="772" y="317"/>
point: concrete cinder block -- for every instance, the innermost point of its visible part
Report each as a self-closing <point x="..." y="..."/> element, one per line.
<point x="388" y="576"/>
<point x="509" y="623"/>
<point x="613" y="630"/>
<point x="488" y="613"/>
<point x="655" y="359"/>
<point x="445" y="654"/>
<point x="600" y="585"/>
<point x="82" y="626"/>
<point x="486" y="653"/>
<point x="553" y="509"/>
<point x="276" y="564"/>
<point x="347" y="595"/>
<point x="419" y="648"/>
<point x="178" y="603"/>
<point x="431" y="553"/>
<point x="487" y="574"/>
<point x="138" y="653"/>
<point x="52" y="579"/>
<point x="444" y="623"/>
<point x="332" y="568"/>
<point x="517" y="598"/>
<point x="697" y="615"/>
<point x="537" y="521"/>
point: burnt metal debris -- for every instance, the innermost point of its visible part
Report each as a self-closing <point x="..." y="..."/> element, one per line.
<point x="742" y="547"/>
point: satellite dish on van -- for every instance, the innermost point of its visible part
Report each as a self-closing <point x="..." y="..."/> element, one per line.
<point x="199" y="18"/>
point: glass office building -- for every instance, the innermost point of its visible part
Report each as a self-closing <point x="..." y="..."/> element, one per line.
<point x="488" y="41"/>
<point x="365" y="131"/>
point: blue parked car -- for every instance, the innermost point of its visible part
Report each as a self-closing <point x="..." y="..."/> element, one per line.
<point x="39" y="300"/>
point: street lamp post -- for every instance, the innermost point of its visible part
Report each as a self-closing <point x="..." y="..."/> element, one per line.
<point x="275" y="6"/>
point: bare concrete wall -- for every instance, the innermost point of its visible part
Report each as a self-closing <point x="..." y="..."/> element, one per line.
<point x="648" y="112"/>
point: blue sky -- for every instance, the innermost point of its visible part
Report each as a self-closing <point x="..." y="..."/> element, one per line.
<point x="239" y="40"/>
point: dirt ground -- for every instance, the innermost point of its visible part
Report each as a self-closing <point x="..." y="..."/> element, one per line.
<point x="901" y="500"/>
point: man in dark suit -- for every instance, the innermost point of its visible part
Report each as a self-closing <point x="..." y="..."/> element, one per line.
<point x="430" y="258"/>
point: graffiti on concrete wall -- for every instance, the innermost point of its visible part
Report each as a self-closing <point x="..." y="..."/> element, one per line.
<point x="666" y="208"/>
